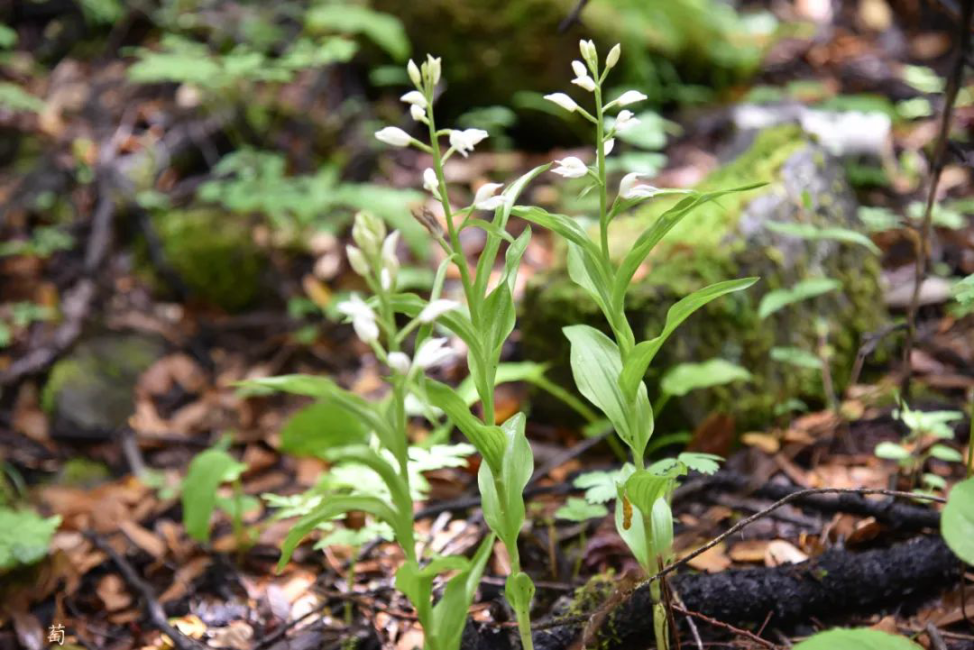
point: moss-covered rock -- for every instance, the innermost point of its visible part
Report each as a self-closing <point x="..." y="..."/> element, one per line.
<point x="90" y="391"/>
<point x="730" y="240"/>
<point x="214" y="255"/>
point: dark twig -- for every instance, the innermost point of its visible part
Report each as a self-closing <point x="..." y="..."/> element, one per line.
<point x="725" y="626"/>
<point x="954" y="82"/>
<point x="936" y="641"/>
<point x="572" y="18"/>
<point x="156" y="613"/>
<point x="795" y="496"/>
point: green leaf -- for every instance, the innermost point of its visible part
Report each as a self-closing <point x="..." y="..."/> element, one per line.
<point x="490" y="441"/>
<point x="24" y="537"/>
<point x="856" y="639"/>
<point x="645" y="487"/>
<point x="946" y="454"/>
<point x="703" y="463"/>
<point x="563" y="225"/>
<point x="661" y="523"/>
<point x="796" y="357"/>
<point x="450" y="614"/>
<point x="601" y="487"/>
<point x="489" y="227"/>
<point x="814" y="233"/>
<point x="16" y="99"/>
<point x="519" y="590"/>
<point x="335" y="506"/>
<point x="935" y="423"/>
<point x="401" y="498"/>
<point x="596" y="367"/>
<point x="504" y="513"/>
<point x="385" y="30"/>
<point x="803" y="290"/>
<point x="686" y="377"/>
<point x="324" y="388"/>
<point x="642" y="355"/>
<point x="891" y="451"/>
<point x="579" y="510"/>
<point x="206" y="473"/>
<point x="652" y="236"/>
<point x="957" y="521"/>
<point x="319" y="428"/>
<point x="934" y="481"/>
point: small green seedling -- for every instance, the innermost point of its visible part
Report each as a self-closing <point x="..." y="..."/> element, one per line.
<point x="916" y="448"/>
<point x="24" y="537"/>
<point x="208" y="473"/>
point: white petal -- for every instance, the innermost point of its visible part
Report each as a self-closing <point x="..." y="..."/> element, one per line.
<point x="628" y="182"/>
<point x="386" y="279"/>
<point x="579" y="68"/>
<point x="563" y="100"/>
<point x="394" y="136"/>
<point x="613" y="56"/>
<point x="629" y="97"/>
<point x="492" y="203"/>
<point x="414" y="97"/>
<point x="485" y="192"/>
<point x="437" y="308"/>
<point x="400" y="362"/>
<point x="609" y="145"/>
<point x="414" y="74"/>
<point x="389" y="246"/>
<point x="570" y="167"/>
<point x="356" y="259"/>
<point x="430" y="182"/>
<point x="585" y="82"/>
<point x="418" y="113"/>
<point x="366" y="329"/>
<point x="432" y="352"/>
<point x="355" y="306"/>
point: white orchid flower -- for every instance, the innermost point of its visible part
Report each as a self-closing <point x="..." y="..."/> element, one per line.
<point x="609" y="145"/>
<point x="570" y="167"/>
<point x="464" y="141"/>
<point x="431" y="183"/>
<point x="432" y="352"/>
<point x="625" y="121"/>
<point x="582" y="77"/>
<point x="629" y="190"/>
<point x="393" y="136"/>
<point x="415" y="98"/>
<point x="487" y="197"/>
<point x="563" y="100"/>
<point x="418" y="113"/>
<point x="437" y="308"/>
<point x="400" y="362"/>
<point x="363" y="318"/>
<point x="628" y="97"/>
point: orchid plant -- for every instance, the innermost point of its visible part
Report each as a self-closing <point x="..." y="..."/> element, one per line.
<point x="609" y="371"/>
<point x="483" y="323"/>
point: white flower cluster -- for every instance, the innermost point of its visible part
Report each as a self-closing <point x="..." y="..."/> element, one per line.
<point x="374" y="256"/>
<point x="587" y="77"/>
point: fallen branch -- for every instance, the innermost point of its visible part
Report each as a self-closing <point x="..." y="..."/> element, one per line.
<point x="153" y="609"/>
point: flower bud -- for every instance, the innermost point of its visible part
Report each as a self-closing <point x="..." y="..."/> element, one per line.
<point x="487" y="198"/>
<point x="563" y="100"/>
<point x="394" y="136"/>
<point x="386" y="279"/>
<point x="432" y="352"/>
<point x="628" y="97"/>
<point x="570" y="167"/>
<point x="587" y="48"/>
<point x="390" y="263"/>
<point x="609" y="145"/>
<point x="357" y="260"/>
<point x="437" y="308"/>
<point x="368" y="231"/>
<point x="613" y="57"/>
<point x="433" y="69"/>
<point x="431" y="183"/>
<point x="414" y="74"/>
<point x="418" y="113"/>
<point x="400" y="362"/>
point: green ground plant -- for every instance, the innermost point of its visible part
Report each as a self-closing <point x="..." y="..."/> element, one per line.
<point x="926" y="431"/>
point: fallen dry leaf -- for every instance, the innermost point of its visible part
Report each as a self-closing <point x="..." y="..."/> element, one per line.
<point x="713" y="560"/>
<point x="781" y="552"/>
<point x="113" y="593"/>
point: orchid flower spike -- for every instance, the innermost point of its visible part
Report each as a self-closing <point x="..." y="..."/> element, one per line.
<point x="487" y="197"/>
<point x="363" y="318"/>
<point x="563" y="100"/>
<point x="570" y="167"/>
<point x="464" y="141"/>
<point x="393" y="136"/>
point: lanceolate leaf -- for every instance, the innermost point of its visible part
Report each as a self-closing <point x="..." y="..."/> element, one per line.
<point x="644" y="487"/>
<point x="490" y="441"/>
<point x="401" y="498"/>
<point x="325" y="388"/>
<point x="686" y="377"/>
<point x="206" y="473"/>
<point x="957" y="522"/>
<point x="596" y="366"/>
<point x="814" y="233"/>
<point x="652" y="236"/>
<point x="642" y="355"/>
<point x="332" y="508"/>
<point x="450" y="614"/>
<point x="504" y="513"/>
<point x="780" y="298"/>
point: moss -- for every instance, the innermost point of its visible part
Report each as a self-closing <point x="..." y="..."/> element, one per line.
<point x="720" y="242"/>
<point x="214" y="254"/>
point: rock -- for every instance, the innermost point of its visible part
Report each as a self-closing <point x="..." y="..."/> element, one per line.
<point x="730" y="240"/>
<point x="90" y="392"/>
<point x="214" y="254"/>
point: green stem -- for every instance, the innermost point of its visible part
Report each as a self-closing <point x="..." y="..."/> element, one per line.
<point x="603" y="197"/>
<point x="970" y="445"/>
